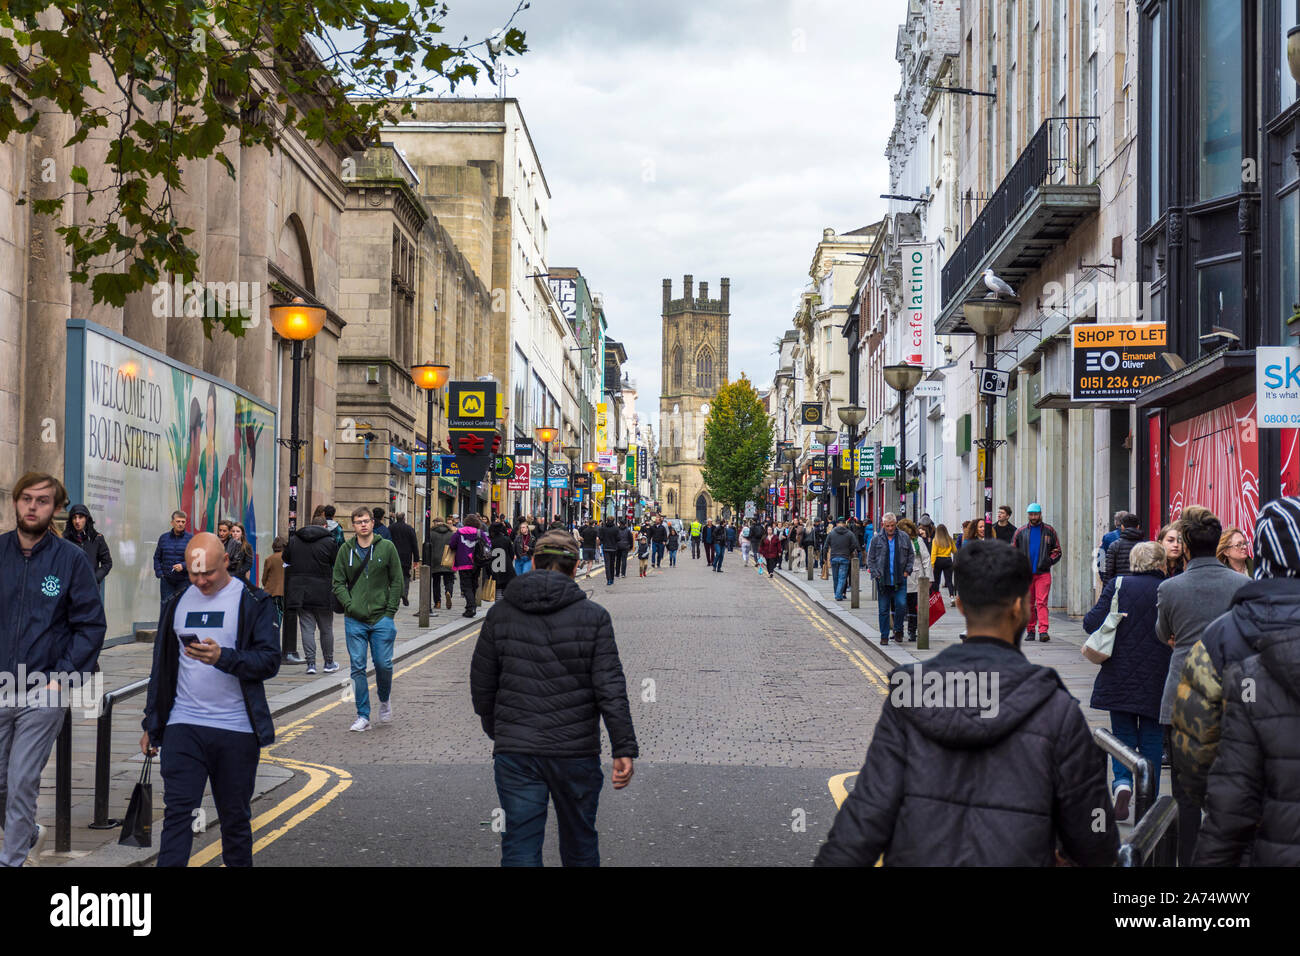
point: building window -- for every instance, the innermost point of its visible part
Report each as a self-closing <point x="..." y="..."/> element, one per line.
<point x="1219" y="106"/>
<point x="1219" y="293"/>
<point x="1155" y="101"/>
<point x="704" y="369"/>
<point x="1288" y="275"/>
<point x="677" y="367"/>
<point x="1287" y="89"/>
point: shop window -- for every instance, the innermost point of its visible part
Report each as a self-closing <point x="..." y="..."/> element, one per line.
<point x="1220" y="97"/>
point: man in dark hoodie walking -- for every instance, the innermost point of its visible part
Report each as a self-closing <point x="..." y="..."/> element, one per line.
<point x="545" y="672"/>
<point x="80" y="530"/>
<point x="1116" y="561"/>
<point x="309" y="589"/>
<point x="980" y="758"/>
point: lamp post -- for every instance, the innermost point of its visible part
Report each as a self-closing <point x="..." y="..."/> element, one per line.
<point x="824" y="435"/>
<point x="590" y="468"/>
<point x="430" y="377"/>
<point x="573" y="453"/>
<point x="902" y="378"/>
<point x="852" y="416"/>
<point x="990" y="317"/>
<point x="545" y="436"/>
<point x="297" y="322"/>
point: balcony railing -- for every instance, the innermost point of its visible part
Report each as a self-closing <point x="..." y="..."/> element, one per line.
<point x="1061" y="153"/>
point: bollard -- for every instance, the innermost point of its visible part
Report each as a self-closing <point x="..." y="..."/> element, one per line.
<point x="923" y="614"/>
<point x="63" y="787"/>
<point x="426" y="599"/>
<point x="853" y="579"/>
<point x="807" y="553"/>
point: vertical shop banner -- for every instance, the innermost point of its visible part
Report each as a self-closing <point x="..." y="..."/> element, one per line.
<point x="471" y="422"/>
<point x="630" y="463"/>
<point x="147" y="436"/>
<point x="918" y="302"/>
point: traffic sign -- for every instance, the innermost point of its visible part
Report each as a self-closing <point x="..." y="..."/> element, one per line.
<point x="993" y="382"/>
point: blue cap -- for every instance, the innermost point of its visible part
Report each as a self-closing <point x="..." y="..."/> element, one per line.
<point x="1034" y="509"/>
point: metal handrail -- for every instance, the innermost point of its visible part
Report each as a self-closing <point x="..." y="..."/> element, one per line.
<point x="103" y="751"/>
<point x="1154" y="841"/>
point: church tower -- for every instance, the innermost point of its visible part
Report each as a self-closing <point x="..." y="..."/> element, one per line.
<point x="693" y="367"/>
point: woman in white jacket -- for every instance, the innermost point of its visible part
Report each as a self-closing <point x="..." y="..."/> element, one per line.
<point x="921" y="567"/>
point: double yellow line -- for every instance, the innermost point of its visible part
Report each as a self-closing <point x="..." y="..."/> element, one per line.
<point x="837" y="639"/>
<point x="319" y="775"/>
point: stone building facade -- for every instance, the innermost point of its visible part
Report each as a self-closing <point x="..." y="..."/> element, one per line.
<point x="694" y="367"/>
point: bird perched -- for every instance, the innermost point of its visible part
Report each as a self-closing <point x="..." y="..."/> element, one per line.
<point x="1219" y="332"/>
<point x="996" y="285"/>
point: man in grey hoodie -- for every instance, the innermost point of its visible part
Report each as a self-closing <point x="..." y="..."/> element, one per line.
<point x="841" y="544"/>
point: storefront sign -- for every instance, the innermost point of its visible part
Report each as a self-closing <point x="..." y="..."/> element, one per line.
<point x="520" y="480"/>
<point x="1277" y="386"/>
<point x="1114" y="362"/>
<point x="888" y="456"/>
<point x="918" y="285"/>
<point x="867" y="462"/>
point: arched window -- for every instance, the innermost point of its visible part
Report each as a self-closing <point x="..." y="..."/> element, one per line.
<point x="672" y="498"/>
<point x="704" y="369"/>
<point x="677" y="367"/>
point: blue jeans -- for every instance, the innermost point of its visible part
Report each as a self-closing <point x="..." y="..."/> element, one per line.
<point x="840" y="573"/>
<point x="379" y="638"/>
<point x="193" y="756"/>
<point x="892" y="596"/>
<point x="656" y="553"/>
<point x="672" y="557"/>
<point x="1143" y="734"/>
<point x="718" y="552"/>
<point x="524" y="783"/>
<point x="523" y="565"/>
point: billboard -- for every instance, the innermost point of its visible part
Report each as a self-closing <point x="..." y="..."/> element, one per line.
<point x="1115" y="362"/>
<point x="566" y="294"/>
<point x="602" y="430"/>
<point x="147" y="436"/>
<point x="918" y="302"/>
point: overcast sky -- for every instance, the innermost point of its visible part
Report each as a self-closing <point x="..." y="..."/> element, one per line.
<point x="709" y="137"/>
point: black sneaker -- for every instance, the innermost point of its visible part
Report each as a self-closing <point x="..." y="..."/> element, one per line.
<point x="1029" y="636"/>
<point x="911" y="638"/>
<point x="1043" y="637"/>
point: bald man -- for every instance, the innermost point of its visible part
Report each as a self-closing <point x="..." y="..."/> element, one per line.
<point x="217" y="642"/>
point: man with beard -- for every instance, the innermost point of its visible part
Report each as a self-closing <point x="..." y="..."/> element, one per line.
<point x="979" y="747"/>
<point x="54" y="626"/>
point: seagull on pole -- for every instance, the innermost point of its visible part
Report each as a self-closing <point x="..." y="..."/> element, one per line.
<point x="995" y="285"/>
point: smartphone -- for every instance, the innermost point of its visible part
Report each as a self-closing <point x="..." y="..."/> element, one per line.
<point x="188" y="639"/>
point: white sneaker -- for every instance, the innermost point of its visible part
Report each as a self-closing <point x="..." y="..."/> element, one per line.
<point x="34" y="854"/>
<point x="311" y="669"/>
<point x="360" y="724"/>
<point x="331" y="667"/>
<point x="385" y="711"/>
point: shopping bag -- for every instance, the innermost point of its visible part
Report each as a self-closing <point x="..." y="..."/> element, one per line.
<point x="448" y="556"/>
<point x="487" y="592"/>
<point x="137" y="825"/>
<point x="937" y="607"/>
<point x="1101" y="642"/>
<point x="760" y="568"/>
<point x="826" y="569"/>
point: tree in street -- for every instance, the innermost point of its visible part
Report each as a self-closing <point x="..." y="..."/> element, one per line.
<point x="166" y="82"/>
<point x="737" y="444"/>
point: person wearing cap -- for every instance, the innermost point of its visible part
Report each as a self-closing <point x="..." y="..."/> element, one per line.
<point x="1220" y="731"/>
<point x="1040" y="543"/>
<point x="545" y="672"/>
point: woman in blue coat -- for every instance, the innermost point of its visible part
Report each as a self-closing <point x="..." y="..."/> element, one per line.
<point x="1132" y="681"/>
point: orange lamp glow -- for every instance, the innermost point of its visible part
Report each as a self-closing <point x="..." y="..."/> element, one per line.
<point x="431" y="376"/>
<point x="546" y="435"/>
<point x="297" y="321"/>
<point x="590" y="467"/>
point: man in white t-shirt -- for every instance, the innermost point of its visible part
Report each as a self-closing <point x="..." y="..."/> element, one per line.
<point x="217" y="642"/>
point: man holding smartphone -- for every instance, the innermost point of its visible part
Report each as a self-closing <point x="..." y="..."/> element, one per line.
<point x="217" y="642"/>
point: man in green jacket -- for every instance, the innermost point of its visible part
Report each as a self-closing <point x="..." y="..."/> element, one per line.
<point x="368" y="584"/>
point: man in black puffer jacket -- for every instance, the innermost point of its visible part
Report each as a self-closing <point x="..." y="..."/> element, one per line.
<point x="1253" y="795"/>
<point x="545" y="671"/>
<point x="609" y="539"/>
<point x="980" y="758"/>
<point x="1130" y="533"/>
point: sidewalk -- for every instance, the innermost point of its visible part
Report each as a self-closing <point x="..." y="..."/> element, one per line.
<point x="122" y="664"/>
<point x="1062" y="653"/>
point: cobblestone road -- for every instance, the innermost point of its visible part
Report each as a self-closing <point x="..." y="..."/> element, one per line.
<point x="744" y="709"/>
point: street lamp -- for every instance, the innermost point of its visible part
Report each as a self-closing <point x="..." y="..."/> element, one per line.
<point x="297" y="322"/>
<point x="590" y="468"/>
<point x="902" y="378"/>
<point x="546" y="435"/>
<point x="430" y="376"/>
<point x="573" y="453"/>
<point x="824" y="436"/>
<point x="990" y="317"/>
<point x="852" y="416"/>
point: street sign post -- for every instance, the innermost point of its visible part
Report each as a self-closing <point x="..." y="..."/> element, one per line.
<point x="993" y="382"/>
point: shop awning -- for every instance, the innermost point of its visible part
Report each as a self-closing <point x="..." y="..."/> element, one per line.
<point x="1194" y="380"/>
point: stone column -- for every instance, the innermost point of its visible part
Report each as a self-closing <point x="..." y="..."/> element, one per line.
<point x="1077" y="542"/>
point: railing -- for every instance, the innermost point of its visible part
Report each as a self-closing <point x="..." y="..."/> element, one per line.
<point x="1060" y="153"/>
<point x="1154" y="840"/>
<point x="104" y="751"/>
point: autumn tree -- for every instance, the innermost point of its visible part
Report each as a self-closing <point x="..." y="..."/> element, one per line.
<point x="737" y="444"/>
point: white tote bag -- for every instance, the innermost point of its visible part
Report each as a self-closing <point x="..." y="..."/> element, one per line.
<point x="1101" y="642"/>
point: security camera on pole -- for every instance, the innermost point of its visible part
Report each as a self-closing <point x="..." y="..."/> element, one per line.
<point x="990" y="316"/>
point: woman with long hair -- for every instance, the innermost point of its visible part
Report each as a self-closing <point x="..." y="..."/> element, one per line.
<point x="943" y="553"/>
<point x="1234" y="551"/>
<point x="241" y="553"/>
<point x="1171" y="539"/>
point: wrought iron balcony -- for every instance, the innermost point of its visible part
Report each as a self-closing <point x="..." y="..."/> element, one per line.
<point x="1048" y="192"/>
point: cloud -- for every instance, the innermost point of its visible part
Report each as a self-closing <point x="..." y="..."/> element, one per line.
<point x="715" y="140"/>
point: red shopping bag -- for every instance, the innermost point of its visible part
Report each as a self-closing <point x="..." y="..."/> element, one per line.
<point x="937" y="607"/>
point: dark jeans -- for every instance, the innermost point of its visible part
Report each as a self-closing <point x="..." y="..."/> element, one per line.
<point x="438" y="580"/>
<point x="656" y="553"/>
<point x="718" y="552"/>
<point x="622" y="563"/>
<point x="165" y="591"/>
<point x="943" y="572"/>
<point x="695" y="547"/>
<point x="891" y="597"/>
<point x="1147" y="737"/>
<point x="406" y="584"/>
<point x="524" y="783"/>
<point x="469" y="587"/>
<point x="611" y="566"/>
<point x="193" y="756"/>
<point x="773" y="564"/>
<point x="911" y="614"/>
<point x="708" y="553"/>
<point x="1189" y="819"/>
